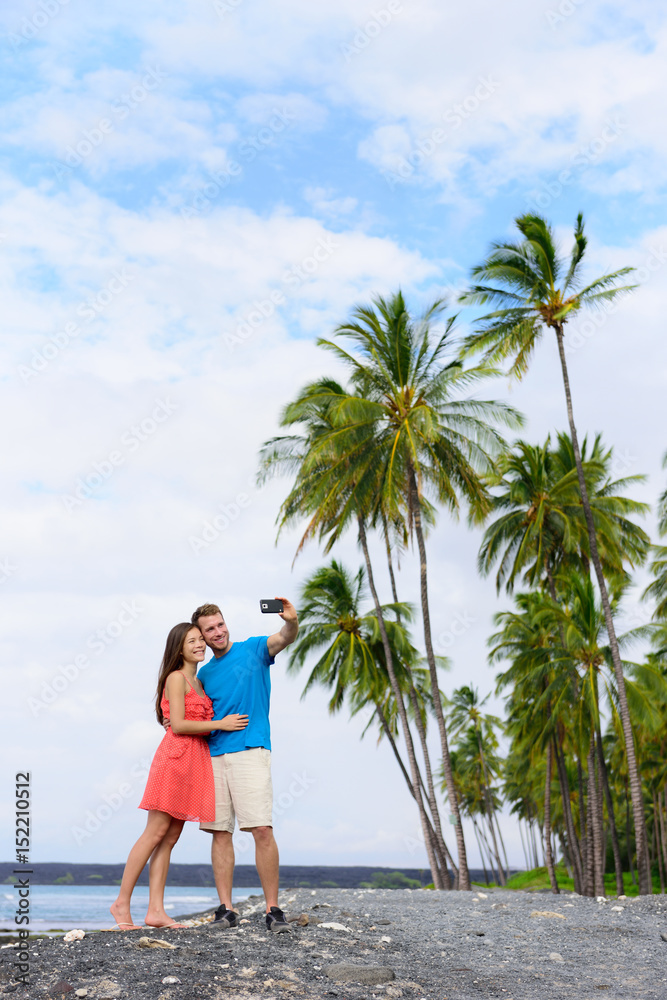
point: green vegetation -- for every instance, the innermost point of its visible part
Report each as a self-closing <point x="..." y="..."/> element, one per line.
<point x="393" y="880"/>
<point x="67" y="879"/>
<point x="95" y="878"/>
<point x="538" y="880"/>
<point x="409" y="435"/>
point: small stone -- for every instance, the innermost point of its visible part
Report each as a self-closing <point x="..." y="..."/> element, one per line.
<point x="617" y="909"/>
<point x="170" y="981"/>
<point x="555" y="957"/>
<point x="63" y="987"/>
<point x="601" y="899"/>
<point x="107" y="989"/>
<point x="75" y="935"/>
<point x="80" y="993"/>
<point x="385" y="939"/>
<point x="248" y="972"/>
<point x="663" y="936"/>
<point x="244" y="921"/>
<point x="549" y="914"/>
<point x="334" y="927"/>
<point x="368" y="975"/>
<point x="148" y="942"/>
<point x="622" y="896"/>
<point x="393" y="991"/>
<point x="482" y="895"/>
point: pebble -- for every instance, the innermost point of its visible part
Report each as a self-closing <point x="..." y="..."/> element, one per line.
<point x="81" y="993"/>
<point x="555" y="957"/>
<point x="75" y="935"/>
<point x="170" y="981"/>
<point x="368" y="975"/>
<point x="148" y="942"/>
<point x="332" y="926"/>
<point x="549" y="914"/>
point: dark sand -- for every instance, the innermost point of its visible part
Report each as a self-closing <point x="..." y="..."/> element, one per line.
<point x="404" y="943"/>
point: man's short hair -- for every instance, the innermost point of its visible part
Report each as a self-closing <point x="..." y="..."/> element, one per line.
<point x="203" y="611"/>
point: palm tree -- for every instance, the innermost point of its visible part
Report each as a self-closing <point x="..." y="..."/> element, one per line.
<point x="535" y="290"/>
<point x="479" y="798"/>
<point x="540" y="527"/>
<point x="328" y="493"/>
<point x="351" y="660"/>
<point x="406" y="432"/>
<point x="465" y="715"/>
<point x="543" y="691"/>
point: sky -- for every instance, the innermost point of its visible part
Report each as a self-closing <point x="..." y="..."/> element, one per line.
<point x="191" y="194"/>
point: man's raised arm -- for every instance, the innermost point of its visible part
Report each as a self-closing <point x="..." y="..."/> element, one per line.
<point x="288" y="632"/>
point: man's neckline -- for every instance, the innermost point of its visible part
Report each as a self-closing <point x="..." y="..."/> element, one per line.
<point x="223" y="655"/>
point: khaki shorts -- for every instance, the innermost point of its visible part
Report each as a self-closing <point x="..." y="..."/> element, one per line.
<point x="243" y="790"/>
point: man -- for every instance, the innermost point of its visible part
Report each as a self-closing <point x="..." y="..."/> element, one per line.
<point x="238" y="681"/>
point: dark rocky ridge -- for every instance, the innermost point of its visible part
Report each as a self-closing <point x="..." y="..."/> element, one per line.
<point x="449" y="946"/>
<point x="291" y="876"/>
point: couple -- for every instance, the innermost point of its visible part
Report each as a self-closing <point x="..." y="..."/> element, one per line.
<point x="228" y="778"/>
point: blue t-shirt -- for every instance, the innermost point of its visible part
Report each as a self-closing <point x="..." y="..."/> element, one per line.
<point x="240" y="681"/>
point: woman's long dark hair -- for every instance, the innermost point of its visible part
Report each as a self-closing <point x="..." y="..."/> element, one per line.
<point x="171" y="661"/>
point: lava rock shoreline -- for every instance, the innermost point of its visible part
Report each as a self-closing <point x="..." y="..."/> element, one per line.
<point x="400" y="943"/>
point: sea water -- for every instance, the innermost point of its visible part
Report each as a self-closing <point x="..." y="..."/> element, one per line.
<point x="63" y="907"/>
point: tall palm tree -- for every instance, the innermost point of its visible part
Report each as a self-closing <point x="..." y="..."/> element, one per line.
<point x="407" y="434"/>
<point x="543" y="691"/>
<point x="328" y="491"/>
<point x="351" y="656"/>
<point x="465" y="715"/>
<point x="536" y="290"/>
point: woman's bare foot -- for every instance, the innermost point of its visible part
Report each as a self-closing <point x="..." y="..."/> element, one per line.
<point x="123" y="917"/>
<point x="158" y="918"/>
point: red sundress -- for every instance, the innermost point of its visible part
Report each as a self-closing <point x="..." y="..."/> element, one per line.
<point x="180" y="781"/>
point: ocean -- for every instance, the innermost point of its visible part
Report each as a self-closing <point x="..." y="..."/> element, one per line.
<point x="63" y="907"/>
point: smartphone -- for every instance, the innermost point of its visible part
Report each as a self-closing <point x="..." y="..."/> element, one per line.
<point x="271" y="607"/>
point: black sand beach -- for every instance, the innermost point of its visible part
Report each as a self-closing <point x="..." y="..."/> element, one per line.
<point x="401" y="943"/>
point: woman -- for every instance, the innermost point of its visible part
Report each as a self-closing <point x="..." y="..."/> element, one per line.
<point x="180" y="781"/>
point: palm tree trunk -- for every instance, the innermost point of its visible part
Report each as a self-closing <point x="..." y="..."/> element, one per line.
<point x="663" y="828"/>
<point x="415" y="511"/>
<point x="523" y="844"/>
<point x="502" y="844"/>
<point x="432" y="801"/>
<point x="481" y="852"/>
<point x="583" y="833"/>
<point x="643" y="866"/>
<point x="595" y="879"/>
<point x="571" y="831"/>
<point x="390" y="564"/>
<point x="489" y="810"/>
<point x="407" y="735"/>
<point x="615" y="846"/>
<point x="627" y="834"/>
<point x="489" y="851"/>
<point x="657" y="838"/>
<point x="536" y="860"/>
<point x="551" y="868"/>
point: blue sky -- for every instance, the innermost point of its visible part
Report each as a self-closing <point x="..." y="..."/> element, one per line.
<point x="170" y="171"/>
